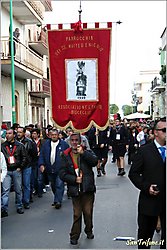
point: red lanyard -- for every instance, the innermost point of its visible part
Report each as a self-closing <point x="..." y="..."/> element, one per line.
<point x="11" y="153"/>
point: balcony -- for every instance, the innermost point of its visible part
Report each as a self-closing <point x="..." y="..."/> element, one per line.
<point x="26" y="12"/>
<point x="47" y="4"/>
<point x="156" y="86"/>
<point x="163" y="37"/>
<point x="27" y="64"/>
<point x="40" y="88"/>
<point x="40" y="44"/>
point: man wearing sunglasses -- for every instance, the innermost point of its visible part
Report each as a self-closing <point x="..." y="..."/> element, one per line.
<point x="148" y="174"/>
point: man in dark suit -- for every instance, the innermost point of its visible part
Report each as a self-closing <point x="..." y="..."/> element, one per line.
<point x="148" y="173"/>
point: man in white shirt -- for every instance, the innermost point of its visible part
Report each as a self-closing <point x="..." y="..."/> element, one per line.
<point x="49" y="159"/>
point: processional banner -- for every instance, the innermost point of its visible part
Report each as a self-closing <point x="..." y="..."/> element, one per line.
<point x="79" y="74"/>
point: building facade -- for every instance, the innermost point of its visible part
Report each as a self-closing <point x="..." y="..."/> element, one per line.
<point x="141" y="91"/>
<point x="158" y="85"/>
<point x="152" y="99"/>
<point x="32" y="87"/>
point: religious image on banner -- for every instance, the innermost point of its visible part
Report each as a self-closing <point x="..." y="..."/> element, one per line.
<point x="82" y="79"/>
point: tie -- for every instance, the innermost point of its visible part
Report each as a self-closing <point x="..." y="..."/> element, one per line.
<point x="163" y="152"/>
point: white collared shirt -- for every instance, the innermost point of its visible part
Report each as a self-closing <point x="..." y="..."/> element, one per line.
<point x="53" y="151"/>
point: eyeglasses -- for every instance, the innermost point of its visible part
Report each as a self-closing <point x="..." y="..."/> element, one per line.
<point x="162" y="129"/>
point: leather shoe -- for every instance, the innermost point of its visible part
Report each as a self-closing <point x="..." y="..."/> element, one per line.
<point x="103" y="170"/>
<point x="121" y="172"/>
<point x="26" y="206"/>
<point x="57" y="205"/>
<point x="20" y="211"/>
<point x="98" y="173"/>
<point x="73" y="242"/>
<point x="90" y="236"/>
<point x="4" y="213"/>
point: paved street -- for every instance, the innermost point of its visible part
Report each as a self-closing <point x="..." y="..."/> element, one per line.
<point x="114" y="215"/>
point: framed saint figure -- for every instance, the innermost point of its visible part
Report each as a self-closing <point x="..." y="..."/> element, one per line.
<point x="81" y="79"/>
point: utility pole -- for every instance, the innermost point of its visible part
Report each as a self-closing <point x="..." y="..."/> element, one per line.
<point x="12" y="65"/>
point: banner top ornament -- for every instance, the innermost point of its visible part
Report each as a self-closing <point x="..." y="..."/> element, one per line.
<point x="78" y="25"/>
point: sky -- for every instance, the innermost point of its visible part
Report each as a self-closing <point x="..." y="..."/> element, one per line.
<point x="135" y="42"/>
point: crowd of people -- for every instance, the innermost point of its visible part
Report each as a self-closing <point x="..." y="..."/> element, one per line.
<point x="33" y="158"/>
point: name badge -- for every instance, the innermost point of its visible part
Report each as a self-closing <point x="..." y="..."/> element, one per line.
<point x="118" y="137"/>
<point x="11" y="160"/>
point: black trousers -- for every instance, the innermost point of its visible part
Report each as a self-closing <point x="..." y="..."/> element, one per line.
<point x="146" y="228"/>
<point x="82" y="205"/>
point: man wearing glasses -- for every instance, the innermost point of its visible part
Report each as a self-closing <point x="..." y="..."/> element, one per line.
<point x="148" y="174"/>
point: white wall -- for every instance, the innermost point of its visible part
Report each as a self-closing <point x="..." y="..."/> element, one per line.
<point x="5" y="23"/>
<point x="6" y="99"/>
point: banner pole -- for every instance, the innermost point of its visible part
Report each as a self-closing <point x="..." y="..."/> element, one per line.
<point x="97" y="136"/>
<point x="80" y="11"/>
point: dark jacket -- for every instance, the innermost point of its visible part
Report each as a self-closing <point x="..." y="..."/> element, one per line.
<point x="31" y="150"/>
<point x="148" y="168"/>
<point x="44" y="156"/>
<point x="132" y="141"/>
<point x="67" y="172"/>
<point x="19" y="155"/>
<point x="96" y="140"/>
<point x="122" y="131"/>
<point x="38" y="146"/>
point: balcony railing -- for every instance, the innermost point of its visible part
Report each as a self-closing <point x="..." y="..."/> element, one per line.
<point x="40" y="88"/>
<point x="42" y="37"/>
<point x="26" y="12"/>
<point x="47" y="4"/>
<point x="38" y="7"/>
<point x="23" y="55"/>
<point x="157" y="86"/>
<point x="39" y="43"/>
<point x="45" y="86"/>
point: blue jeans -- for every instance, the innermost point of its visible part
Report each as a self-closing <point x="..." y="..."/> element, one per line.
<point x="16" y="176"/>
<point x="34" y="179"/>
<point x="26" y="185"/>
<point x="40" y="182"/>
<point x="57" y="186"/>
